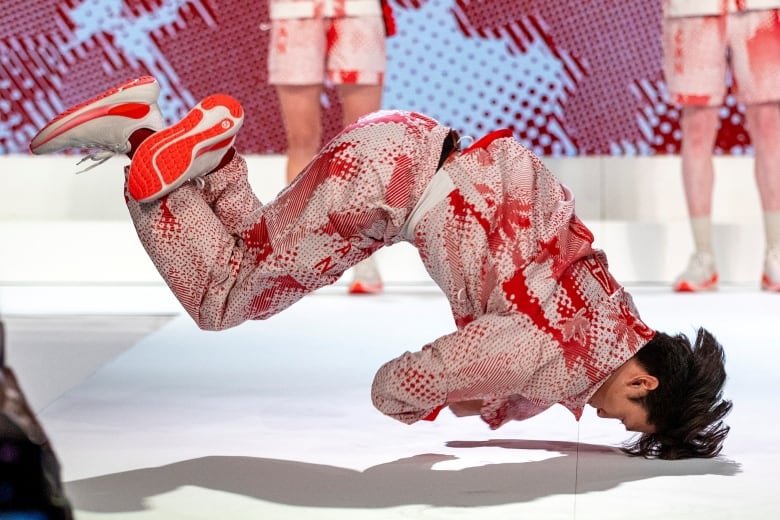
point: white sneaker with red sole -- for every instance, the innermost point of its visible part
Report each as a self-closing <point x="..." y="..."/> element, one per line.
<point x="770" y="281"/>
<point x="187" y="150"/>
<point x="700" y="274"/>
<point x="104" y="122"/>
<point x="366" y="278"/>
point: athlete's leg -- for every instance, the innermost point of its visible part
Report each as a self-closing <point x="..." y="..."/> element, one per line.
<point x="296" y="67"/>
<point x="756" y="63"/>
<point x="301" y="111"/>
<point x="695" y="70"/>
<point x="227" y="265"/>
<point x="699" y="127"/>
<point x="763" y="123"/>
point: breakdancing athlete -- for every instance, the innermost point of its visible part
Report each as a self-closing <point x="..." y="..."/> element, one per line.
<point x="539" y="319"/>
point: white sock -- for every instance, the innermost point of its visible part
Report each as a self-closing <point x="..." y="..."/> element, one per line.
<point x="772" y="229"/>
<point x="702" y="234"/>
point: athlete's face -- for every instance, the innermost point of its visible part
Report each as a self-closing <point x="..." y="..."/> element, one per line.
<point x="616" y="399"/>
<point x="629" y="412"/>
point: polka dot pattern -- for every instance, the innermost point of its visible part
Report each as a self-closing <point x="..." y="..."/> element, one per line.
<point x="567" y="77"/>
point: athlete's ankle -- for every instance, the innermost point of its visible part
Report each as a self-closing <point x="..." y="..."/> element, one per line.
<point x="138" y="137"/>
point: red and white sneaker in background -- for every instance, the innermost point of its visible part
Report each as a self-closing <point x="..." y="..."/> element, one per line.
<point x="187" y="150"/>
<point x="770" y="281"/>
<point x="104" y="122"/>
<point x="700" y="274"/>
<point x="366" y="278"/>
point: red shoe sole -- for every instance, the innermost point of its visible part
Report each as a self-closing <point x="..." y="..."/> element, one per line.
<point x="161" y="162"/>
<point x="768" y="285"/>
<point x="687" y="287"/>
<point x="365" y="288"/>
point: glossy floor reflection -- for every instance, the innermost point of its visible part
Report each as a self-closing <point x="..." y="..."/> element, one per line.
<point x="273" y="420"/>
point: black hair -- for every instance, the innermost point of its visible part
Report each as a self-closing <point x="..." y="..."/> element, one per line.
<point x="687" y="408"/>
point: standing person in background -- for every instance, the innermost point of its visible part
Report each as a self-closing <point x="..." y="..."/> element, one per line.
<point x="318" y="42"/>
<point x="701" y="40"/>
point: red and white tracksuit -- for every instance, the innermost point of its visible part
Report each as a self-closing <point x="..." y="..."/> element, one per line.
<point x="539" y="319"/>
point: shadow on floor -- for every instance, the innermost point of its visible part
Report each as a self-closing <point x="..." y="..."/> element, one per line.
<point x="402" y="482"/>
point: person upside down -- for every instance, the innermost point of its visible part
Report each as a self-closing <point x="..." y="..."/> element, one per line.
<point x="539" y="319"/>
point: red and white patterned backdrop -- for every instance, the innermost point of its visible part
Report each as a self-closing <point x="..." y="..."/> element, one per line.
<point x="569" y="77"/>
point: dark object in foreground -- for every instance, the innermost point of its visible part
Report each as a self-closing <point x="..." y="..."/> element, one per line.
<point x="30" y="485"/>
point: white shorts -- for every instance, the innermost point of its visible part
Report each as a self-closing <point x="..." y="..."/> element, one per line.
<point x="698" y="51"/>
<point x="311" y="51"/>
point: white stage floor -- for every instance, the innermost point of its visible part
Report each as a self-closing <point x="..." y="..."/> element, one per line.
<point x="273" y="420"/>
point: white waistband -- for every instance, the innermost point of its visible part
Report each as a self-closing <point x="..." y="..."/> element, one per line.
<point x="438" y="188"/>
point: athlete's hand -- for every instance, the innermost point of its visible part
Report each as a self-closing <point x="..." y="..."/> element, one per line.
<point x="466" y="408"/>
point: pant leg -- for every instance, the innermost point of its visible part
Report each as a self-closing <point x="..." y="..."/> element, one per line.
<point x="228" y="258"/>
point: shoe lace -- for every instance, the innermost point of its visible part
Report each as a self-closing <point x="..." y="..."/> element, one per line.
<point x="105" y="153"/>
<point x="464" y="139"/>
